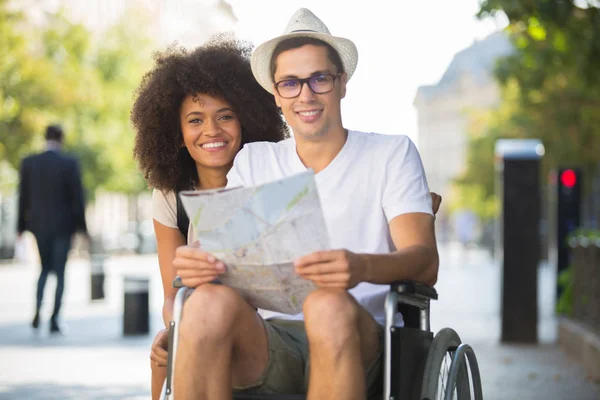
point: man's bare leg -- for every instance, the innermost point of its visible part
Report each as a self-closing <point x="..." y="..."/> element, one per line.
<point x="343" y="340"/>
<point x="222" y="342"/>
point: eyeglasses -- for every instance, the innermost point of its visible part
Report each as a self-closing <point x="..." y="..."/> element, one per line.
<point x="318" y="84"/>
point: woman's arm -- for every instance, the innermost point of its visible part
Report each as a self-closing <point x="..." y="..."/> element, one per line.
<point x="167" y="240"/>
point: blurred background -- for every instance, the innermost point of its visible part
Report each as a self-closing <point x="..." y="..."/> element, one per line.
<point x="455" y="76"/>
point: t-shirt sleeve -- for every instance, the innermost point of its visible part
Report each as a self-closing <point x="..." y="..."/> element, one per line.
<point x="239" y="175"/>
<point x="164" y="208"/>
<point x="406" y="190"/>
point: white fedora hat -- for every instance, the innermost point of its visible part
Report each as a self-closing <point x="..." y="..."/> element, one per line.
<point x="302" y="24"/>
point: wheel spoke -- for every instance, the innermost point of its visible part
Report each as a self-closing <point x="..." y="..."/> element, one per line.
<point x="444" y="374"/>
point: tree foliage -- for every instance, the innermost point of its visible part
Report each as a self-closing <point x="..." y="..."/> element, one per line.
<point x="27" y="97"/>
<point x="60" y="72"/>
<point x="550" y="87"/>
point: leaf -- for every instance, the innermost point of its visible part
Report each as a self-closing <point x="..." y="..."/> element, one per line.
<point x="536" y="30"/>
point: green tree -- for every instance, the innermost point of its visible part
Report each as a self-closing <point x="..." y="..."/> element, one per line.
<point x="124" y="55"/>
<point x="61" y="72"/>
<point x="26" y="93"/>
<point x="550" y="88"/>
<point x="78" y="100"/>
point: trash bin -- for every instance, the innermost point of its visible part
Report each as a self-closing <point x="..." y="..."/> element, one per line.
<point x="136" y="313"/>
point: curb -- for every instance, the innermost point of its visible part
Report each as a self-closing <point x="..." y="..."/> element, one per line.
<point x="581" y="342"/>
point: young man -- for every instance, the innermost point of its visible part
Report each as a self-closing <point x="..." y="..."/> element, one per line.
<point x="379" y="217"/>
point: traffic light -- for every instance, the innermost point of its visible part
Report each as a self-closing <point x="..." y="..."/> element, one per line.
<point x="569" y="213"/>
<point x="568" y="179"/>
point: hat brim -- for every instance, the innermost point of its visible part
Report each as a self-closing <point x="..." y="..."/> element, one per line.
<point x="261" y="57"/>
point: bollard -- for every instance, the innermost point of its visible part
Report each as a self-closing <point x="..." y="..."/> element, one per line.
<point x="518" y="186"/>
<point x="136" y="313"/>
<point x="97" y="276"/>
<point x="97" y="258"/>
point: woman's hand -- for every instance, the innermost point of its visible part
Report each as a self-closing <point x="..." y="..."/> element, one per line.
<point x="195" y="266"/>
<point x="160" y="348"/>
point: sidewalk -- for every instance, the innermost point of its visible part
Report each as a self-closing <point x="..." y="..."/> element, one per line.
<point x="95" y="361"/>
<point x="469" y="290"/>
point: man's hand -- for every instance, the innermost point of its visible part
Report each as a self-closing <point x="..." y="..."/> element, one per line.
<point x="160" y="347"/>
<point x="333" y="269"/>
<point x="196" y="267"/>
<point x="436" y="200"/>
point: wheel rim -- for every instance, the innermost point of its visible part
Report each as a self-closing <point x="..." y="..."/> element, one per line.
<point x="464" y="375"/>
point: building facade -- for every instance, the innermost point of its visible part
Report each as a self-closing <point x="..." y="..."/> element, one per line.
<point x="443" y="108"/>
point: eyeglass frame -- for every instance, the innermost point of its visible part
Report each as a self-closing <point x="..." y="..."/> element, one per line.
<point x="307" y="81"/>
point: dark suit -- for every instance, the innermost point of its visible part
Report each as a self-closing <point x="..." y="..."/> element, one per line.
<point x="51" y="206"/>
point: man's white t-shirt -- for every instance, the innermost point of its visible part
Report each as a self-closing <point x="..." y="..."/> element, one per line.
<point x="373" y="179"/>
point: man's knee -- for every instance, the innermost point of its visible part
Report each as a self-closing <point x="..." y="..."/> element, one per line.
<point x="331" y="315"/>
<point x="210" y="313"/>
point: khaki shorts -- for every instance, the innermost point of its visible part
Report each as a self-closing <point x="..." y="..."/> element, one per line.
<point x="288" y="368"/>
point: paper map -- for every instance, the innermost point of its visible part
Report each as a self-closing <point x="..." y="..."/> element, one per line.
<point x="258" y="232"/>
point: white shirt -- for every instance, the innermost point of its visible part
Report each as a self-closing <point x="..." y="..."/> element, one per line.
<point x="373" y="179"/>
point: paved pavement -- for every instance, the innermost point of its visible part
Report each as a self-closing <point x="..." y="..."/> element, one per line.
<point x="469" y="301"/>
<point x="95" y="361"/>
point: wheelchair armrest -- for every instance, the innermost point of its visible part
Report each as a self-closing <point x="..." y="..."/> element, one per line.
<point x="411" y="299"/>
<point x="414" y="288"/>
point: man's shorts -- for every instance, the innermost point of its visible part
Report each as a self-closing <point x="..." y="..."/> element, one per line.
<point x="288" y="367"/>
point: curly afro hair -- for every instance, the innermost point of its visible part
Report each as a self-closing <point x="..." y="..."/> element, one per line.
<point x="219" y="68"/>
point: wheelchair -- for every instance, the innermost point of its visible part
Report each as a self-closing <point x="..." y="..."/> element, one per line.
<point x="417" y="365"/>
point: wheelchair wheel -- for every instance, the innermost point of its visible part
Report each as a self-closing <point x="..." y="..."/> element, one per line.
<point x="444" y="377"/>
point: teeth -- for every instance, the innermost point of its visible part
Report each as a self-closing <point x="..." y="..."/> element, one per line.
<point x="213" y="145"/>
<point x="309" y="113"/>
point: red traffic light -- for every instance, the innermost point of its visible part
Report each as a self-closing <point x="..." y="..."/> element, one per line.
<point x="568" y="178"/>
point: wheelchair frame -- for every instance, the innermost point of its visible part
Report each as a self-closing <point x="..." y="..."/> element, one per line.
<point x="411" y="352"/>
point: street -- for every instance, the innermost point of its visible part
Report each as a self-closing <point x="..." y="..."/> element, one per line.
<point x="95" y="361"/>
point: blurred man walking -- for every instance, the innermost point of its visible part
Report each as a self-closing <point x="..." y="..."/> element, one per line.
<point x="51" y="206"/>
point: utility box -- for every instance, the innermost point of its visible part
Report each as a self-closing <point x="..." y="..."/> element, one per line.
<point x="518" y="235"/>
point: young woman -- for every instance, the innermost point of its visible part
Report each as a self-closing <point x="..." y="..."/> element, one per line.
<point x="192" y="113"/>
